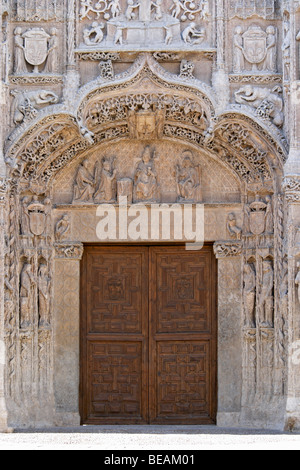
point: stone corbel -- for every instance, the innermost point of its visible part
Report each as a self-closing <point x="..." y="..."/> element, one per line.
<point x="225" y="249"/>
<point x="69" y="250"/>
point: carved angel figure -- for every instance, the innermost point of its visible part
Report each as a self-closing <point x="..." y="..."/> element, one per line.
<point x="94" y="35"/>
<point x="115" y="8"/>
<point x="62" y="228"/>
<point x="233" y="229"/>
<point x="20" y="66"/>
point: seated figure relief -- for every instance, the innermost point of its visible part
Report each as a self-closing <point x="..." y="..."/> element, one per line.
<point x="188" y="178"/>
<point x="145" y="179"/>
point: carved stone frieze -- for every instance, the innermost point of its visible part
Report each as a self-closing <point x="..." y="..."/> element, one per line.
<point x="68" y="250"/>
<point x="224" y="249"/>
<point x="291" y="187"/>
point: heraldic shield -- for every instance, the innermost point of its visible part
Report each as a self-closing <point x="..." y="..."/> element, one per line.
<point x="37" y="223"/>
<point x="257" y="222"/>
<point x="36" y="46"/>
<point x="255" y="45"/>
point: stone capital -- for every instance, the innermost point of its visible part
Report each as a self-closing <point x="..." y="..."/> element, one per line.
<point x="225" y="249"/>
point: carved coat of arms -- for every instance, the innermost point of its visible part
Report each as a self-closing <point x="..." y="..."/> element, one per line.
<point x="255" y="45"/>
<point x="258" y="217"/>
<point x="36" y="46"/>
<point x="37" y="218"/>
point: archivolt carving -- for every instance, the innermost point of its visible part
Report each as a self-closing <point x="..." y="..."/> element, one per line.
<point x="181" y="112"/>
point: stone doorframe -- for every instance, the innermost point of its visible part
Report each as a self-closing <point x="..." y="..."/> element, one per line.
<point x="253" y="326"/>
<point x="67" y="334"/>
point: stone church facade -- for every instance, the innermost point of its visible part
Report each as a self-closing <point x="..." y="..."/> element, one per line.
<point x="162" y="102"/>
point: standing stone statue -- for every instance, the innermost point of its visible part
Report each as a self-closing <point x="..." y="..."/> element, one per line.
<point x="20" y="66"/>
<point x="250" y="295"/>
<point x="52" y="60"/>
<point x="269" y="216"/>
<point x="297" y="281"/>
<point x="238" y="52"/>
<point x="267" y="295"/>
<point x="27" y="283"/>
<point x="270" y="64"/>
<point x="44" y="296"/>
<point x="233" y="229"/>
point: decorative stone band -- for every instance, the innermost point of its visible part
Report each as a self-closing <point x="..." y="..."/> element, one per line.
<point x="225" y="249"/>
<point x="69" y="250"/>
<point x="291" y="186"/>
<point x="3" y="189"/>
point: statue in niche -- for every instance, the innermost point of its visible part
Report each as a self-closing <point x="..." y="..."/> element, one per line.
<point x="44" y="296"/>
<point x="250" y="295"/>
<point x="62" y="229"/>
<point x="131" y="7"/>
<point x="188" y="179"/>
<point x="286" y="50"/>
<point x="233" y="229"/>
<point x="52" y="59"/>
<point x="84" y="184"/>
<point x="145" y="179"/>
<point x="269" y="216"/>
<point x="238" y="52"/>
<point x="27" y="284"/>
<point x="107" y="191"/>
<point x="94" y="35"/>
<point x="25" y="230"/>
<point x="267" y="295"/>
<point x="20" y="66"/>
<point x="191" y="35"/>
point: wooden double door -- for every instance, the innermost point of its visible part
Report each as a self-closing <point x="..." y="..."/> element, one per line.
<point x="148" y="335"/>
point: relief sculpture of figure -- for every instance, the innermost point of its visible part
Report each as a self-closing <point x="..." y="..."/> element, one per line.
<point x="44" y="296"/>
<point x="188" y="180"/>
<point x="27" y="283"/>
<point x="297" y="281"/>
<point x="20" y="63"/>
<point x="233" y="229"/>
<point x="145" y="180"/>
<point x="267" y="295"/>
<point x="52" y="60"/>
<point x="270" y="64"/>
<point x="107" y="191"/>
<point x="250" y="295"/>
<point x="131" y="6"/>
<point x="84" y="184"/>
<point x="269" y="215"/>
<point x="238" y="51"/>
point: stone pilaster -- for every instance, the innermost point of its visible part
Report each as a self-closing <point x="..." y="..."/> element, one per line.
<point x="66" y="332"/>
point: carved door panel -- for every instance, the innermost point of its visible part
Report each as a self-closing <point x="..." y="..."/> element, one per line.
<point x="148" y="343"/>
<point x="182" y="336"/>
<point x="114" y="350"/>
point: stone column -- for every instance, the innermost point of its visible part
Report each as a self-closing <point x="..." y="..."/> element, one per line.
<point x="292" y="190"/>
<point x="72" y="77"/>
<point x="229" y="255"/>
<point x="3" y="409"/>
<point x="66" y="332"/>
<point x="220" y="75"/>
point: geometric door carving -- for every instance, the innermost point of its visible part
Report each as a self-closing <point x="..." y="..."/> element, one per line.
<point x="148" y="335"/>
